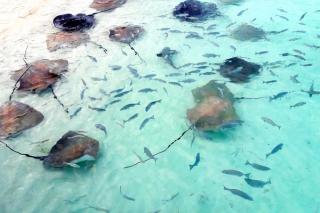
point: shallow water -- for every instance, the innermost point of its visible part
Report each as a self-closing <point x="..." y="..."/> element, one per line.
<point x="26" y="186"/>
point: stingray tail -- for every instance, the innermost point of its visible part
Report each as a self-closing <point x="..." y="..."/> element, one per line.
<point x="27" y="155"/>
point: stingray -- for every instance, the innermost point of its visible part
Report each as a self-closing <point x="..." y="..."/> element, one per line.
<point x="167" y="54"/>
<point x="246" y="32"/>
<point x="70" y="150"/>
<point x="238" y="70"/>
<point x="107" y="4"/>
<point x="214" y="107"/>
<point x="126" y="34"/>
<point x="193" y="10"/>
<point x="16" y="117"/>
<point x="59" y="40"/>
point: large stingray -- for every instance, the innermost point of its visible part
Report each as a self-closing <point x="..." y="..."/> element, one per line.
<point x="70" y="150"/>
<point x="16" y="117"/>
<point x="238" y="70"/>
<point x="126" y="34"/>
<point x="65" y="39"/>
<point x="40" y="74"/>
<point x="193" y="10"/>
<point x="107" y="4"/>
<point x="214" y="110"/>
<point x="246" y="32"/>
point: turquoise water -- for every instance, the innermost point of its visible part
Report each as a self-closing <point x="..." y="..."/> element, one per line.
<point x="26" y="186"/>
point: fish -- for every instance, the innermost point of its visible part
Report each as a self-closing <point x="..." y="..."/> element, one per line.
<point x="128" y="106"/>
<point x="211" y="27"/>
<point x="165" y="90"/>
<point x="299" y="52"/>
<point x="116" y="90"/>
<point x="99" y="79"/>
<point x="94" y="98"/>
<point x="283" y="17"/>
<point x="271" y="122"/>
<point x="122" y="93"/>
<point x="149" y="154"/>
<point x="172" y="197"/>
<point x="196" y="162"/>
<point x="210" y="55"/>
<point x="231" y="24"/>
<point x="145" y="121"/>
<point x="147" y="90"/>
<point x="160" y="80"/>
<point x="242" y="11"/>
<point x="235" y="173"/>
<point x="306" y="65"/>
<point x="112" y="102"/>
<point x="294" y="79"/>
<point x="133" y="71"/>
<point x="299" y="57"/>
<point x="148" y="107"/>
<point x="75" y="200"/>
<point x="103" y="92"/>
<point x="82" y="93"/>
<point x="130" y="118"/>
<point x="98" y="209"/>
<point x="149" y="76"/>
<point x="84" y="83"/>
<point x="97" y="109"/>
<point x="277" y="96"/>
<point x="239" y="193"/>
<point x="269" y="82"/>
<point x="282" y="10"/>
<point x="102" y="128"/>
<point x="207" y="73"/>
<point x="302" y="17"/>
<point x="214" y="43"/>
<point x="261" y="52"/>
<point x="126" y="196"/>
<point x="311" y="91"/>
<point x="312" y="46"/>
<point x="115" y="67"/>
<point x="256" y="183"/>
<point x="189" y="80"/>
<point x="298" y="104"/>
<point x="174" y="74"/>
<point x="294" y="39"/>
<point x="92" y="58"/>
<point x="253" y="20"/>
<point x="175" y="83"/>
<point x="192" y="72"/>
<point x="275" y="150"/>
<point x="258" y="166"/>
<point x="75" y="113"/>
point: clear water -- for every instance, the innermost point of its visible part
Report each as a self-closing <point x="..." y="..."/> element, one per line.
<point x="26" y="186"/>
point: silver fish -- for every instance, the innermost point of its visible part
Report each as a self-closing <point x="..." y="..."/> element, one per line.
<point x="102" y="128"/>
<point x="271" y="122"/>
<point x="145" y="121"/>
<point x="149" y="154"/>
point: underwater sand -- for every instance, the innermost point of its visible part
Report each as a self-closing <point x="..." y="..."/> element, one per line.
<point x="26" y="186"/>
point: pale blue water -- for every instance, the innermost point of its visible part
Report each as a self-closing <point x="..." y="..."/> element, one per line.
<point x="26" y="186"/>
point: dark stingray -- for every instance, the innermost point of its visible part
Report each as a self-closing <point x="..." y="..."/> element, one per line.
<point x="71" y="149"/>
<point x="107" y="4"/>
<point x="126" y="34"/>
<point x="16" y="117"/>
<point x="193" y="10"/>
<point x="40" y="74"/>
<point x="238" y="70"/>
<point x="246" y="32"/>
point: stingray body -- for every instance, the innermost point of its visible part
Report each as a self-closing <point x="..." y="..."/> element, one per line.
<point x="72" y="23"/>
<point x="126" y="34"/>
<point x="167" y="54"/>
<point x="193" y="10"/>
<point x="71" y="149"/>
<point x="107" y="4"/>
<point x="16" y="117"/>
<point x="40" y="75"/>
<point x="59" y="40"/>
<point x="246" y="32"/>
<point x="238" y="70"/>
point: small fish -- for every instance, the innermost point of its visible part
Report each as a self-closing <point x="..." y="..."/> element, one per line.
<point x="92" y="58"/>
<point x="275" y="150"/>
<point x="239" y="193"/>
<point x="115" y="67"/>
<point x="102" y="128"/>
<point x="285" y="54"/>
<point x="130" y="118"/>
<point x="113" y="102"/>
<point x="116" y="90"/>
<point x="84" y="83"/>
<point x="196" y="162"/>
<point x="149" y="76"/>
<point x="258" y="166"/>
<point x="165" y="90"/>
<point x="257" y="183"/>
<point x="241" y="12"/>
<point x="97" y="109"/>
<point x="235" y="173"/>
<point x="160" y="80"/>
<point x="277" y="96"/>
<point x="174" y="74"/>
<point x="75" y="113"/>
<point x="294" y="39"/>
<point x="202" y="67"/>
<point x="231" y="24"/>
<point x="94" y="98"/>
<point x="269" y="82"/>
<point x="214" y="43"/>
<point x="175" y="83"/>
<point x="253" y="20"/>
<point x="282" y="10"/>
<point x="103" y="92"/>
<point x="99" y="79"/>
<point x="294" y="79"/>
<point x="306" y="65"/>
<point x="189" y="80"/>
<point x="126" y="196"/>
<point x="172" y="197"/>
<point x="302" y="17"/>
<point x="311" y="91"/>
<point x="192" y="72"/>
<point x="283" y="17"/>
<point x="145" y="121"/>
<point x="271" y="122"/>
<point x="147" y="90"/>
<point x="210" y="55"/>
<point x="261" y="52"/>
<point x="98" y="209"/>
<point x="207" y="73"/>
<point x="211" y="27"/>
<point x="122" y="93"/>
<point x="148" y="107"/>
<point x="149" y="154"/>
<point x="299" y="52"/>
<point x="299" y="57"/>
<point x="298" y="104"/>
<point x="82" y="93"/>
<point x="133" y="71"/>
<point x="128" y="106"/>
